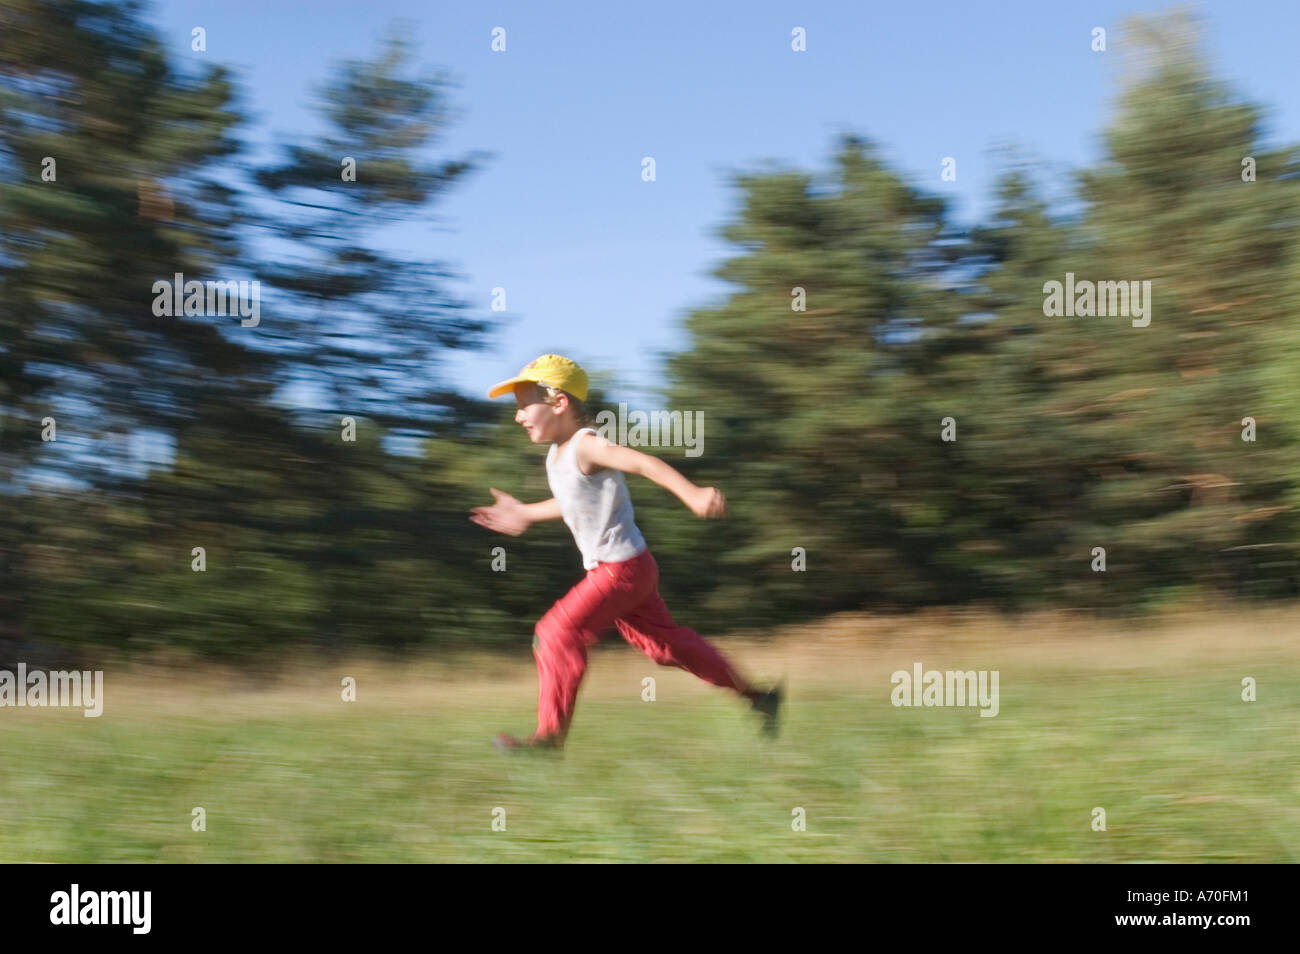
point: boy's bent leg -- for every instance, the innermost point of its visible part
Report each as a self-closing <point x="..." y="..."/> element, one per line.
<point x="561" y="654"/>
<point x="560" y="647"/>
<point x="651" y="628"/>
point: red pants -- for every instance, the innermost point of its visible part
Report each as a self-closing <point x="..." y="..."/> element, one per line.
<point x="625" y="595"/>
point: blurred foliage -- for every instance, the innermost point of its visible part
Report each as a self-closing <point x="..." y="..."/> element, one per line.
<point x="822" y="426"/>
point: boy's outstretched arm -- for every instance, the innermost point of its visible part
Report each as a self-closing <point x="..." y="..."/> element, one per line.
<point x="596" y="452"/>
<point x="513" y="516"/>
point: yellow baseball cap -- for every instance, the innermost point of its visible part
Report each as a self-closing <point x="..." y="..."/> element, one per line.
<point x="553" y="369"/>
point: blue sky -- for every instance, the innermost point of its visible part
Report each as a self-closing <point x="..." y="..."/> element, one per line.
<point x="602" y="266"/>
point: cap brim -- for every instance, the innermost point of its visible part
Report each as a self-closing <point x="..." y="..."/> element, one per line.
<point x="505" y="387"/>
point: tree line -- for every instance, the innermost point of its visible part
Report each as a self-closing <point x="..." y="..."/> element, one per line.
<point x="896" y="416"/>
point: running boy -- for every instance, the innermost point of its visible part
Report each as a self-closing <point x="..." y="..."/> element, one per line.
<point x="621" y="587"/>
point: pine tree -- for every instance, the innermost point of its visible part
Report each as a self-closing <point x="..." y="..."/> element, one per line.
<point x="1157" y="411"/>
<point x="820" y="427"/>
<point x="366" y="330"/>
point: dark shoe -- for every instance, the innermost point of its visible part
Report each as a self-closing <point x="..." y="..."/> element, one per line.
<point x="768" y="705"/>
<point x="508" y="743"/>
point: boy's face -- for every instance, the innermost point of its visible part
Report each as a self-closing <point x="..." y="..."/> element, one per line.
<point x="538" y="419"/>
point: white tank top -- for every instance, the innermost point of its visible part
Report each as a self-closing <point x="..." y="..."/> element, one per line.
<point x="596" y="507"/>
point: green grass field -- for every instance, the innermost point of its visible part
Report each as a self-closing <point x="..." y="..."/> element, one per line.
<point x="1144" y="720"/>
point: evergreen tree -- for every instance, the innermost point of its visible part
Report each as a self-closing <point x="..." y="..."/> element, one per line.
<point x="109" y="181"/>
<point x="821" y="429"/>
<point x="1157" y="411"/>
<point x="365" y="328"/>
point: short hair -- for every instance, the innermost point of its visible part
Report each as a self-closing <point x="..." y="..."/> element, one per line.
<point x="580" y="409"/>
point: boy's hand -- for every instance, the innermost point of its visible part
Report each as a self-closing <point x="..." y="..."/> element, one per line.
<point x="707" y="503"/>
<point x="507" y="515"/>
